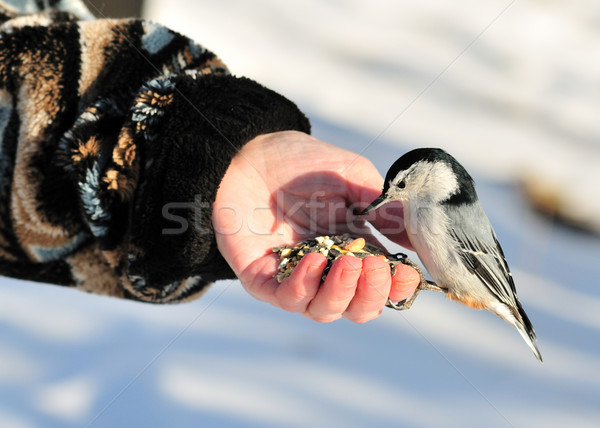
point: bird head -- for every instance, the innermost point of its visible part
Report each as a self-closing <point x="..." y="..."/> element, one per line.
<point x="426" y="175"/>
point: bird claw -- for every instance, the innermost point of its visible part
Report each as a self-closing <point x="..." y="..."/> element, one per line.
<point x="423" y="285"/>
<point x="407" y="303"/>
<point x="399" y="257"/>
<point x="404" y="304"/>
<point x="397" y="306"/>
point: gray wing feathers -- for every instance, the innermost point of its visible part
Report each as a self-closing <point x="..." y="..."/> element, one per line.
<point x="481" y="252"/>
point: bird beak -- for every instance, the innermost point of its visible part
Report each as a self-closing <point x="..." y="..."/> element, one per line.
<point x="382" y="199"/>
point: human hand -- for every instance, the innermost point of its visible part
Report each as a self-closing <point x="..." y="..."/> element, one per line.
<point x="285" y="187"/>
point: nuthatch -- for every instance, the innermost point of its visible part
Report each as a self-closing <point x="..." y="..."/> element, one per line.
<point x="452" y="235"/>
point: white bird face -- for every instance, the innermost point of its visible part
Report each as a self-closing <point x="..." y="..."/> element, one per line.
<point x="423" y="181"/>
<point x="426" y="176"/>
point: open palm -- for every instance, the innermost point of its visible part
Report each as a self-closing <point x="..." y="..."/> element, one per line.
<point x="283" y="188"/>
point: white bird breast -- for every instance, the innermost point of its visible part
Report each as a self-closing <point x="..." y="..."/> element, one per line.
<point x="427" y="228"/>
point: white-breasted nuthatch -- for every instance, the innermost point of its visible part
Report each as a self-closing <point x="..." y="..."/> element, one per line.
<point x="452" y="235"/>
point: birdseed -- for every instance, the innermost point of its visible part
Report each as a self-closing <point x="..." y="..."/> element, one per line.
<point x="334" y="247"/>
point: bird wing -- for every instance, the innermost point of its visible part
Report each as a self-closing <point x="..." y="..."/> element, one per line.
<point x="481" y="253"/>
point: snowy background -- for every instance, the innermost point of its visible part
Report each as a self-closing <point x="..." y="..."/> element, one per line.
<point x="511" y="89"/>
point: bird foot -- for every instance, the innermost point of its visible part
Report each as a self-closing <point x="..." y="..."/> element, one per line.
<point x="404" y="304"/>
<point x="407" y="303"/>
<point x="423" y="285"/>
<point x="432" y="286"/>
<point x="399" y="257"/>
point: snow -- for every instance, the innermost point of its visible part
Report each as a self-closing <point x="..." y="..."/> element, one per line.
<point x="69" y="399"/>
<point x="509" y="88"/>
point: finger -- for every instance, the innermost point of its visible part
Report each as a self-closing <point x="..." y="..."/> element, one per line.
<point x="404" y="283"/>
<point x="295" y="293"/>
<point x="337" y="291"/>
<point x="257" y="278"/>
<point x="372" y="291"/>
<point x="364" y="181"/>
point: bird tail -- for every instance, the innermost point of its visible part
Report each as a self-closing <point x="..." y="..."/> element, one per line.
<point x="525" y="329"/>
<point x="529" y="338"/>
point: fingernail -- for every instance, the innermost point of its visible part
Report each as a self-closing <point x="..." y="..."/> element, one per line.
<point x="375" y="275"/>
<point x="313" y="272"/>
<point x="408" y="275"/>
<point x="349" y="275"/>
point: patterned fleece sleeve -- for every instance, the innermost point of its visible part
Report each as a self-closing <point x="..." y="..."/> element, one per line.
<point x="114" y="137"/>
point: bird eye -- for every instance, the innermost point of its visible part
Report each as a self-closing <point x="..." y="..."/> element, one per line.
<point x="402" y="184"/>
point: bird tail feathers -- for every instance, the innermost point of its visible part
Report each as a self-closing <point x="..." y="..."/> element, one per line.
<point x="529" y="336"/>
